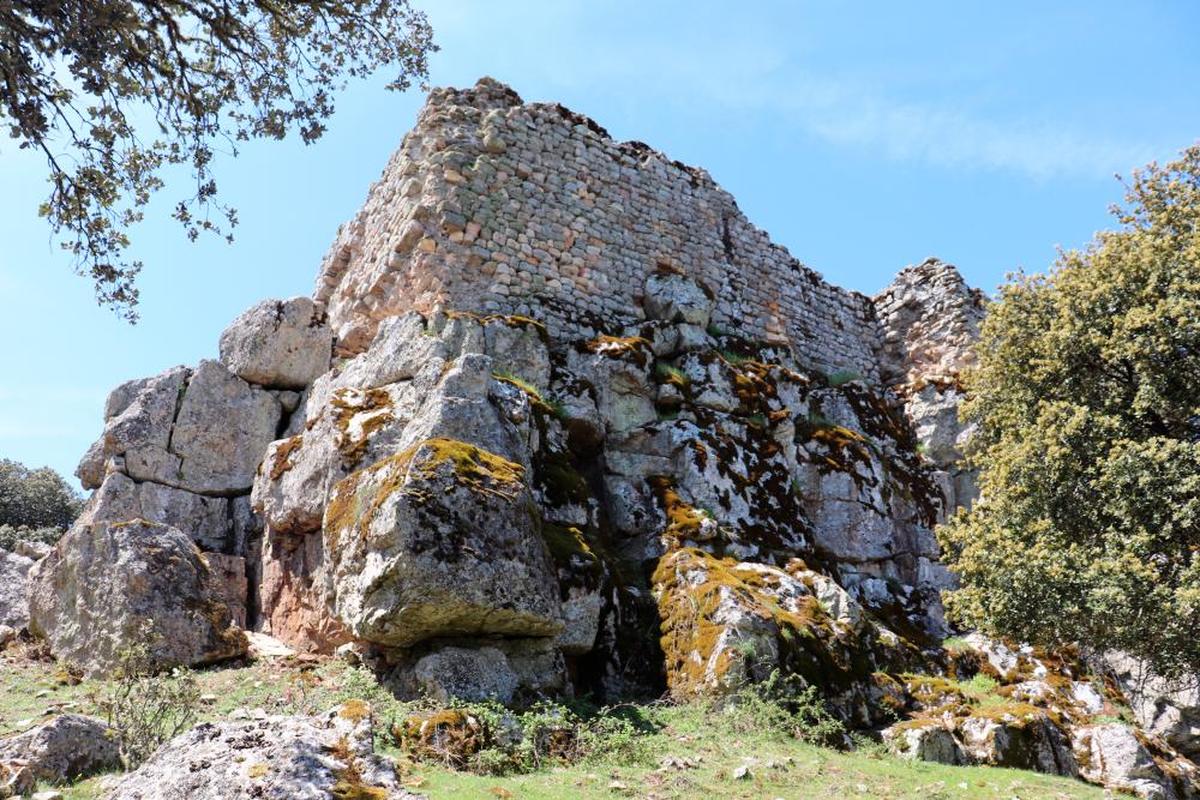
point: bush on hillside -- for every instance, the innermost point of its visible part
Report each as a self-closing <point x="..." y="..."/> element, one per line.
<point x="1087" y="402"/>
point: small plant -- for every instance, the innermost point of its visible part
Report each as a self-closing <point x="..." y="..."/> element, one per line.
<point x="981" y="684"/>
<point x="843" y="376"/>
<point x="734" y="359"/>
<point x="784" y="705"/>
<point x="673" y="375"/>
<point x="144" y="706"/>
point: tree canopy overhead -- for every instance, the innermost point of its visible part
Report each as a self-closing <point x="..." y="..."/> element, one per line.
<point x="1087" y="400"/>
<point x="112" y="91"/>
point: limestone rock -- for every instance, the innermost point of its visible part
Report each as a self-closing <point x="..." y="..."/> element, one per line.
<point x="92" y="595"/>
<point x="1166" y="708"/>
<point x="436" y="541"/>
<point x="229" y="583"/>
<point x="138" y="419"/>
<point x="474" y="674"/>
<point x="223" y="427"/>
<point x="930" y="322"/>
<point x="674" y="298"/>
<point x="278" y="343"/>
<point x="203" y="431"/>
<point x="121" y="499"/>
<point x="14" y="582"/>
<point x="927" y="741"/>
<point x="275" y="758"/>
<point x="65" y="749"/>
<point x="293" y="596"/>
<point x="1112" y="754"/>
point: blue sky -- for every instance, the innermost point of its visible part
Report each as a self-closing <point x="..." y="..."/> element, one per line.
<point x="862" y="135"/>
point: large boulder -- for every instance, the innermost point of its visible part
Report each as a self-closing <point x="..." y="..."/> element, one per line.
<point x="65" y="749"/>
<point x="1163" y="707"/>
<point x="202" y="430"/>
<point x="278" y="343"/>
<point x="223" y="427"/>
<point x="1119" y="757"/>
<point x="107" y="586"/>
<point x="137" y="419"/>
<point x="439" y="540"/>
<point x="14" y="580"/>
<point x="276" y="758"/>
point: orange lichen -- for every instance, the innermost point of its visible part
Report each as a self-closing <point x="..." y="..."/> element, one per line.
<point x="281" y="458"/>
<point x="358" y="414"/>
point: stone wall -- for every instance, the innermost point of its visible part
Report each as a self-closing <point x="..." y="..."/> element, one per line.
<point x="493" y="205"/>
<point x="930" y="321"/>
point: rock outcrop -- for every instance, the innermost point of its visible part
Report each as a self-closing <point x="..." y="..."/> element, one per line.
<point x="14" y="583"/>
<point x="559" y="419"/>
<point x="930" y="320"/>
<point x="65" y="749"/>
<point x="107" y="586"/>
<point x="275" y="758"/>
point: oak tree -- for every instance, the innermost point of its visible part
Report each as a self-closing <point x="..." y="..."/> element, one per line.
<point x="112" y="92"/>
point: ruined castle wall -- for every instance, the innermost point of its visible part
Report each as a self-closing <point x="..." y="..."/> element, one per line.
<point x="497" y="206"/>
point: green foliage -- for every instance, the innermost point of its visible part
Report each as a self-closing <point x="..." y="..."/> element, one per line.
<point x="784" y="706"/>
<point x="1089" y="441"/>
<point x="113" y="92"/>
<point x="144" y="706"/>
<point x="10" y="535"/>
<point x="843" y="376"/>
<point x="35" y="499"/>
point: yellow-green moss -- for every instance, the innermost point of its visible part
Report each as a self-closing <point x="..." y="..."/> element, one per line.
<point x="356" y="498"/>
<point x="683" y="520"/>
<point x="688" y="613"/>
<point x="355" y="710"/>
<point x="511" y="320"/>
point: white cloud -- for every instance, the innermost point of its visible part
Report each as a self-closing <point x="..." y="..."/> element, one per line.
<point x="750" y="66"/>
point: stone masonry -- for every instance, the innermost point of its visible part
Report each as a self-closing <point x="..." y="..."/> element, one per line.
<point x="497" y="206"/>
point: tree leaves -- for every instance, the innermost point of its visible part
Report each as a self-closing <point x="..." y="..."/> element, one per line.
<point x="1087" y="400"/>
<point x="111" y="92"/>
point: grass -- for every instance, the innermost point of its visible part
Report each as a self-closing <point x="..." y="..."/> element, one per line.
<point x="684" y="752"/>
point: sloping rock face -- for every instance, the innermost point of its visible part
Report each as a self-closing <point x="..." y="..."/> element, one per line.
<point x="1166" y="708"/>
<point x="276" y="758"/>
<point x="108" y="585"/>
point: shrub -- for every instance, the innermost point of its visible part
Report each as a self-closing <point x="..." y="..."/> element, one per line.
<point x="10" y="535"/>
<point x="784" y="705"/>
<point x="145" y="707"/>
<point x="35" y="498"/>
